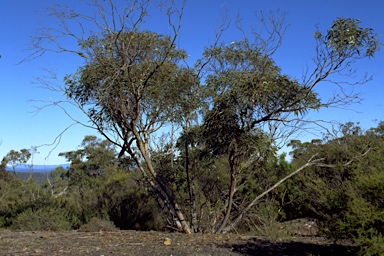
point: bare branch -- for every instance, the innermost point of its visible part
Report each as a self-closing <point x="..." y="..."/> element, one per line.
<point x="310" y="162"/>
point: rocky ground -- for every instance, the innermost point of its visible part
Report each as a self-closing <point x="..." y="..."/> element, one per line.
<point x="158" y="243"/>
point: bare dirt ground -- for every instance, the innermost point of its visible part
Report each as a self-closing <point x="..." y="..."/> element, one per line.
<point x="158" y="243"/>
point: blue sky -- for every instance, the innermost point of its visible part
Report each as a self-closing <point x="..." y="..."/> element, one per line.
<point x="21" y="128"/>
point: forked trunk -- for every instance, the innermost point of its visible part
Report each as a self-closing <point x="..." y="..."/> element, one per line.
<point x="169" y="194"/>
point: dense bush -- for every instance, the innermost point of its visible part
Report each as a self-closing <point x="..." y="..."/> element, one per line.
<point x="47" y="219"/>
<point x="128" y="205"/>
<point x="346" y="192"/>
<point x="17" y="196"/>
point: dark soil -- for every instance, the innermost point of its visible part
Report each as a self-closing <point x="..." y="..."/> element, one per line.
<point x="154" y="243"/>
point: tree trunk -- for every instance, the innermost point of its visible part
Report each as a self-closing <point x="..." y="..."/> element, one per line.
<point x="167" y="191"/>
<point x="190" y="181"/>
<point x="233" y="165"/>
<point x="155" y="187"/>
<point x="229" y="205"/>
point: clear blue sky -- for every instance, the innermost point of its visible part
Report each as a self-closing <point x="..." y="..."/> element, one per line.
<point x="20" y="128"/>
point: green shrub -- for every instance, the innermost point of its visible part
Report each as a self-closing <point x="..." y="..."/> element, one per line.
<point x="373" y="246"/>
<point x="345" y="194"/>
<point x="129" y="205"/>
<point x="44" y="219"/>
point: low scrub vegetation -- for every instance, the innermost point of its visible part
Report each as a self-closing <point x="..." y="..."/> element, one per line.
<point x="342" y="197"/>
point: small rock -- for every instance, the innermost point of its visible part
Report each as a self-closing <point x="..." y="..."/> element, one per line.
<point x="167" y="241"/>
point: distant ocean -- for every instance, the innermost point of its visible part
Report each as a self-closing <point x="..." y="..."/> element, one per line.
<point x="37" y="168"/>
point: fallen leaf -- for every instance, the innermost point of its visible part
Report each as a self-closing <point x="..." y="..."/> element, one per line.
<point x="167" y="241"/>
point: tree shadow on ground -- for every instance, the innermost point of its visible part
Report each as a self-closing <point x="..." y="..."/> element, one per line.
<point x="292" y="248"/>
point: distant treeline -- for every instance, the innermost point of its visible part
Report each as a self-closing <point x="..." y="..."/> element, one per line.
<point x="38" y="177"/>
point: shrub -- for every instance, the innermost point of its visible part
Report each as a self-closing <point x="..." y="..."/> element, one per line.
<point x="96" y="225"/>
<point x="43" y="219"/>
<point x="346" y="194"/>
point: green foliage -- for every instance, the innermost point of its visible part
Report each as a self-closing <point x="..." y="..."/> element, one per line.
<point x="45" y="219"/>
<point x="129" y="205"/>
<point x="252" y="86"/>
<point x="221" y="128"/>
<point x="346" y="193"/>
<point x="16" y="158"/>
<point x="347" y="38"/>
<point x="248" y="91"/>
<point x="4" y="174"/>
<point x="94" y="158"/>
<point x="138" y="91"/>
<point x="96" y="187"/>
<point x="130" y="87"/>
<point x="16" y="196"/>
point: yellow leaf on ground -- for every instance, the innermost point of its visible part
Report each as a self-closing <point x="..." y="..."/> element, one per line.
<point x="167" y="241"/>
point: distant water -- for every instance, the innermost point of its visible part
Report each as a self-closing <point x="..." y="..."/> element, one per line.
<point x="37" y="168"/>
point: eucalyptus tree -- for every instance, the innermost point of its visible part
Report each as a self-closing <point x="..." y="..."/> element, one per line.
<point x="131" y="88"/>
<point x="131" y="80"/>
<point x="251" y="95"/>
<point x="249" y="91"/>
<point x="15" y="158"/>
